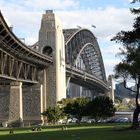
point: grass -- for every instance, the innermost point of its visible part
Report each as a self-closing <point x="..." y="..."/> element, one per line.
<point x="74" y="132"/>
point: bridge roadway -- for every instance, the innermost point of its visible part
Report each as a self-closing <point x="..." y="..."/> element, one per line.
<point x="83" y="78"/>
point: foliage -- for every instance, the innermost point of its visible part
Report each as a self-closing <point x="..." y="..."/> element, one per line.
<point x="101" y="107"/>
<point x="53" y="114"/>
<point x="118" y="100"/>
<point x="129" y="67"/>
<point x="65" y="101"/>
<point x="122" y="108"/>
<point x="77" y="108"/>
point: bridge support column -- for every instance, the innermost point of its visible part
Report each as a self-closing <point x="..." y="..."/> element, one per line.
<point x="4" y="102"/>
<point x="15" y="106"/>
<point x="32" y="104"/>
<point x="51" y="42"/>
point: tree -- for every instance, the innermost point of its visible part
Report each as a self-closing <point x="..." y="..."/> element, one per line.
<point x="65" y="101"/>
<point x="77" y="107"/>
<point x="129" y="67"/>
<point x="101" y="107"/>
<point x="53" y="114"/>
<point x="66" y="104"/>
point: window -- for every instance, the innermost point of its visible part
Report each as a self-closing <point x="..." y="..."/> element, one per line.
<point x="47" y="50"/>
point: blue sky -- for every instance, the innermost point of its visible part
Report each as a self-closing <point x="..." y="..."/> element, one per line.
<point x="109" y="17"/>
<point x="104" y="3"/>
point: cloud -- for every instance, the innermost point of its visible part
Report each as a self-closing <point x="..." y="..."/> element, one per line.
<point x="25" y="24"/>
<point x="110" y="56"/>
<point x="32" y="5"/>
<point x="112" y="49"/>
<point x="129" y="1"/>
<point x="108" y="21"/>
<point x="27" y="17"/>
<point x="109" y="65"/>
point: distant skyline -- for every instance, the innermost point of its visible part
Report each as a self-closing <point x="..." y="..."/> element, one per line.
<point x="109" y="17"/>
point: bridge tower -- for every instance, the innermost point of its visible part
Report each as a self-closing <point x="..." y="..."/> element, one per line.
<point x="51" y="42"/>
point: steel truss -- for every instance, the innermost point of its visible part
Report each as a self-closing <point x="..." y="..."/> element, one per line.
<point x="15" y="69"/>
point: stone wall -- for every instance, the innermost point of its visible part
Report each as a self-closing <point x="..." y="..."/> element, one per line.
<point x="51" y="86"/>
<point x="32" y="103"/>
<point x="4" y="102"/>
<point x="15" y="104"/>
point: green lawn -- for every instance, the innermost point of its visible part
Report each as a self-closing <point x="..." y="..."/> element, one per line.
<point x="74" y="132"/>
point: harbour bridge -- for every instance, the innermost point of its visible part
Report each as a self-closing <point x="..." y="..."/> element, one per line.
<point x="36" y="77"/>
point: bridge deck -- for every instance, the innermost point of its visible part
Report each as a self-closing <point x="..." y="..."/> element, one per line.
<point x="85" y="79"/>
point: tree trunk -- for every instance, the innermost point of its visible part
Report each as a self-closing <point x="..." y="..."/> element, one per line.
<point x="135" y="124"/>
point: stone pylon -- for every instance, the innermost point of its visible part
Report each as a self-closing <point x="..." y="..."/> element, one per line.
<point x="51" y="43"/>
<point x="16" y="104"/>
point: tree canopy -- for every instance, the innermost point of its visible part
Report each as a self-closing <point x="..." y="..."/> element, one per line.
<point x="77" y="108"/>
<point x="101" y="108"/>
<point x="129" y="67"/>
<point x="53" y="114"/>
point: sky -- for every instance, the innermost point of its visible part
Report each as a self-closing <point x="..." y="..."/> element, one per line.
<point x="109" y="17"/>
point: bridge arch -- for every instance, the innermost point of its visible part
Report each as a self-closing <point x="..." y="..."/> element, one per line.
<point x="90" y="60"/>
<point x="83" y="42"/>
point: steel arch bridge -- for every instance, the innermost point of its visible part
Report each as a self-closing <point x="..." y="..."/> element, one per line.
<point x="84" y="60"/>
<point x="28" y="78"/>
